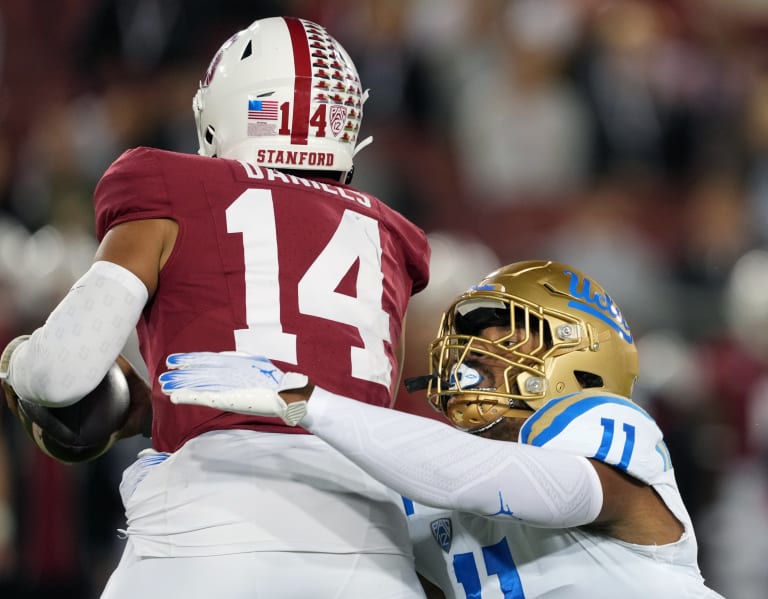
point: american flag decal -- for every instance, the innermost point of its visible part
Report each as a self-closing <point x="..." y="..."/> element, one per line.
<point x="262" y="110"/>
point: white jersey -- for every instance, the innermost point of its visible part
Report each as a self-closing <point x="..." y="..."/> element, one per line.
<point x="249" y="514"/>
<point x="237" y="491"/>
<point x="482" y="557"/>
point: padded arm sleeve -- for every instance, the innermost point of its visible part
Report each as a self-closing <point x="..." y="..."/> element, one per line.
<point x="435" y="464"/>
<point x="69" y="355"/>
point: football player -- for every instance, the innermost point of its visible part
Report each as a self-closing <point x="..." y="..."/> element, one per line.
<point x="563" y="486"/>
<point x="258" y="245"/>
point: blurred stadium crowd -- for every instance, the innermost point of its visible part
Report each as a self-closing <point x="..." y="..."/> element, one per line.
<point x="626" y="137"/>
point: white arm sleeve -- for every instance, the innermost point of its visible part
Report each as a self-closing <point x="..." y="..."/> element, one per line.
<point x="69" y="355"/>
<point x="434" y="464"/>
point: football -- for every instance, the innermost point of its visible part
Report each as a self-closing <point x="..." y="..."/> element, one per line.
<point x="82" y="431"/>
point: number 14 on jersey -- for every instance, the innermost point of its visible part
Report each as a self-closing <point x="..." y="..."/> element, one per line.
<point x="356" y="239"/>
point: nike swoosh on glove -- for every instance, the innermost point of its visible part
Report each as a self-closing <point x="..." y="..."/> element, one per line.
<point x="232" y="381"/>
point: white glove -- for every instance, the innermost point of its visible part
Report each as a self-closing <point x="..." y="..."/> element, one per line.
<point x="234" y="382"/>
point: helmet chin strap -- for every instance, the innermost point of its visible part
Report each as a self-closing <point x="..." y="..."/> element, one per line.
<point x="487" y="427"/>
<point x="362" y="144"/>
<point x="516" y="413"/>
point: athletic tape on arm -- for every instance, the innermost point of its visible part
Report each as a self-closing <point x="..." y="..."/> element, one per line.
<point x="434" y="464"/>
<point x="69" y="355"/>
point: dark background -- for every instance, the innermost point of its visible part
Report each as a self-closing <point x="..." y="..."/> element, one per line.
<point x="626" y="137"/>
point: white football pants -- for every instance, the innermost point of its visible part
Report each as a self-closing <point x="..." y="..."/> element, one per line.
<point x="265" y="575"/>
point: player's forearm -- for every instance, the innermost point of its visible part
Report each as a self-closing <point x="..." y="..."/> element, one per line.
<point x="435" y="464"/>
<point x="65" y="359"/>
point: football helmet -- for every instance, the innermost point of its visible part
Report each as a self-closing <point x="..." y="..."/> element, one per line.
<point x="282" y="93"/>
<point x="565" y="334"/>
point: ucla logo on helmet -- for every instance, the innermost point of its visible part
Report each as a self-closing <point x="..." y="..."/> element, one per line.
<point x="597" y="303"/>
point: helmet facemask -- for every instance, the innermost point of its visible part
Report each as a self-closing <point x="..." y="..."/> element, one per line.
<point x="479" y="380"/>
<point x="562" y="340"/>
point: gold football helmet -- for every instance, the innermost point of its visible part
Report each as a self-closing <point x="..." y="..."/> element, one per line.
<point x="560" y="333"/>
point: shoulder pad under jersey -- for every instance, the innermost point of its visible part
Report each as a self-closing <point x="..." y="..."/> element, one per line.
<point x="604" y="427"/>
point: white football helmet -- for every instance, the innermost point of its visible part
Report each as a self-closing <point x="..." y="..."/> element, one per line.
<point x="282" y="93"/>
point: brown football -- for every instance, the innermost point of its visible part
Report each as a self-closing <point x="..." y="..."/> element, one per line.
<point x="83" y="430"/>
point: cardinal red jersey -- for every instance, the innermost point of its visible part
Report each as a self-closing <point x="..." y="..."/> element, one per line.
<point x="313" y="274"/>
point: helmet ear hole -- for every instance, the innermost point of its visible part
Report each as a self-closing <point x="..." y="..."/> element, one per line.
<point x="588" y="380"/>
<point x="247" y="51"/>
<point x="209" y="132"/>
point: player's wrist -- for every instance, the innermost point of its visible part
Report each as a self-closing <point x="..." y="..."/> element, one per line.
<point x="296" y="395"/>
<point x="317" y="407"/>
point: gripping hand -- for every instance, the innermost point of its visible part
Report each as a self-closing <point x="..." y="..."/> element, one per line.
<point x="5" y="370"/>
<point x="234" y="382"/>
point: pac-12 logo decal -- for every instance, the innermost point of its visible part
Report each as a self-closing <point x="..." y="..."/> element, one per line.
<point x="338" y="118"/>
<point x="442" y="531"/>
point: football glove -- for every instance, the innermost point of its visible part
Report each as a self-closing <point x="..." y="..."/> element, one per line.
<point x="234" y="382"/>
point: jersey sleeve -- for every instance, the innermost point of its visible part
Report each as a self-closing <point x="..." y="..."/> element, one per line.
<point x="132" y="188"/>
<point x="412" y="243"/>
<point x="417" y="250"/>
<point x="603" y="427"/>
<point x="437" y="465"/>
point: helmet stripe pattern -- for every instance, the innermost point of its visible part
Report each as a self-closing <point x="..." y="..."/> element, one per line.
<point x="303" y="80"/>
<point x="282" y="93"/>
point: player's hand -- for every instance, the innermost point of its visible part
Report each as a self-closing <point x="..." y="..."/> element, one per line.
<point x="11" y="399"/>
<point x="139" y="419"/>
<point x="235" y="382"/>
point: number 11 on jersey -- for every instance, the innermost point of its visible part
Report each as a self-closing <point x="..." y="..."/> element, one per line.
<point x="498" y="562"/>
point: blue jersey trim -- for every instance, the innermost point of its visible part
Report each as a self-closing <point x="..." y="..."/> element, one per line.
<point x="661" y="449"/>
<point x="408" y="506"/>
<point x="568" y="414"/>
